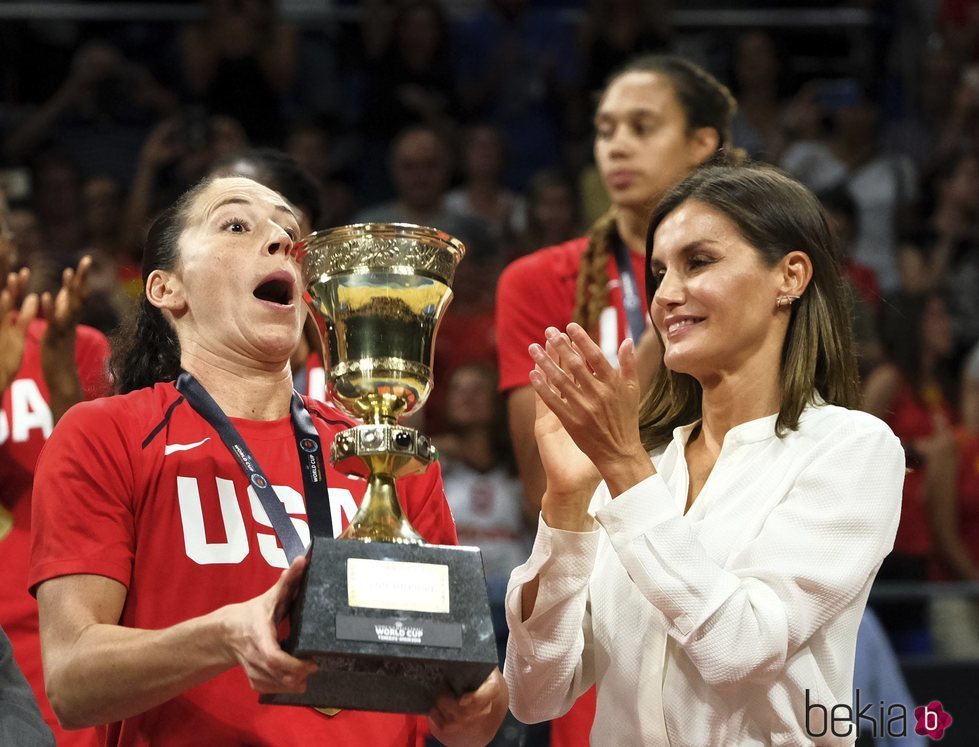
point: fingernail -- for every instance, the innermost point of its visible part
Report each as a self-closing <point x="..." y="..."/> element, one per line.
<point x="551" y="332"/>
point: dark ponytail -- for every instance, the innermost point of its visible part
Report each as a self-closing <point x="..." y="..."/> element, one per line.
<point x="146" y="350"/>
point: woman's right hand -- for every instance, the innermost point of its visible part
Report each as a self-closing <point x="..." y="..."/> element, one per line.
<point x="252" y="640"/>
<point x="571" y="476"/>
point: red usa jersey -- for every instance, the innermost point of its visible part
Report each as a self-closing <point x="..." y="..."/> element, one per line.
<point x="538" y="291"/>
<point x="25" y="424"/>
<point x="141" y="489"/>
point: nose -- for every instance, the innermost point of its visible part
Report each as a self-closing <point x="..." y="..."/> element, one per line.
<point x="669" y="291"/>
<point x="619" y="142"/>
<point x="279" y="241"/>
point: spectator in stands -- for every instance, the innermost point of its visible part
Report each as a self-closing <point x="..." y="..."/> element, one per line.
<point x="410" y="79"/>
<point x="612" y="33"/>
<point x="115" y="266"/>
<point x="943" y="255"/>
<point x="953" y="513"/>
<point x="929" y="109"/>
<point x="759" y="84"/>
<point x="46" y="366"/>
<point x="240" y="61"/>
<point x="483" y="492"/>
<point x="882" y="185"/>
<point x="421" y="166"/>
<point x="316" y="147"/>
<point x="100" y="114"/>
<point x="553" y="214"/>
<point x="481" y="195"/>
<point x="177" y="154"/>
<point x="842" y="217"/>
<point x="57" y="201"/>
<point x="913" y="391"/>
<point x="519" y="71"/>
<point x="480" y="480"/>
<point x="878" y="677"/>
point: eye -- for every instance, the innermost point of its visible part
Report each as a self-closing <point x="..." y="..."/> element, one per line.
<point x="656" y="278"/>
<point x="698" y="261"/>
<point x="604" y="130"/>
<point x="235" y="225"/>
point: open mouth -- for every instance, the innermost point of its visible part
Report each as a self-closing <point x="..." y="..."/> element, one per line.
<point x="276" y="288"/>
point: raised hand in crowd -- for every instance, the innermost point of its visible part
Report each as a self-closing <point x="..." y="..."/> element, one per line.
<point x="14" y="320"/>
<point x="58" y="342"/>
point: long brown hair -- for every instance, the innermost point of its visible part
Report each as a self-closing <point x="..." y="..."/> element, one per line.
<point x="706" y="102"/>
<point x="776" y="215"/>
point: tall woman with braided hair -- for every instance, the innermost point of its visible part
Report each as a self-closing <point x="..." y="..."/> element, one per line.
<point x="657" y="120"/>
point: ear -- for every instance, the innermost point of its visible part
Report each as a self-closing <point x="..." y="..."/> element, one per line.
<point x="795" y="270"/>
<point x="704" y="142"/>
<point x="165" y="291"/>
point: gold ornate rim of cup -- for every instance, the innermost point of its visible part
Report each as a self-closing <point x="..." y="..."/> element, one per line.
<point x="403" y="248"/>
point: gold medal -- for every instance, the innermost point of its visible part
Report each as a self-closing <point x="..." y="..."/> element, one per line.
<point x="6" y="522"/>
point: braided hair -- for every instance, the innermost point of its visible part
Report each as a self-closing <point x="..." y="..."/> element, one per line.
<point x="706" y="102"/>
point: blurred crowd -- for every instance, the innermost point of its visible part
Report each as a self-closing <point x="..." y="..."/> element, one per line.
<point x="479" y="123"/>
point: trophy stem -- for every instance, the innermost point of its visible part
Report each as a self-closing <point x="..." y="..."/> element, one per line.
<point x="380" y="518"/>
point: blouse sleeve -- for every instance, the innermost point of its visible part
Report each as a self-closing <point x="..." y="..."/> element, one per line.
<point x="548" y="662"/>
<point x="818" y="549"/>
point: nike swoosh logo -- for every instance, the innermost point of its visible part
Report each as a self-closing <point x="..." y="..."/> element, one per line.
<point x="170" y="448"/>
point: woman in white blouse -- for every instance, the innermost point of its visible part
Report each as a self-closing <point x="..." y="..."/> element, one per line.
<point x="713" y="584"/>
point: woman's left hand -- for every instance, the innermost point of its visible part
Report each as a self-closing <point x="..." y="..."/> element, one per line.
<point x="597" y="404"/>
<point x="474" y="718"/>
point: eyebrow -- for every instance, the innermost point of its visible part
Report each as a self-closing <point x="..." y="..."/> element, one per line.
<point x="279" y="208"/>
<point x="685" y="250"/>
<point x="635" y="112"/>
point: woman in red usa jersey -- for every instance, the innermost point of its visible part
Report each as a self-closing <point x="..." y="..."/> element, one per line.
<point x="159" y="579"/>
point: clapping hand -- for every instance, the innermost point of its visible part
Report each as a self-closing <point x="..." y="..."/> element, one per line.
<point x="596" y="404"/>
<point x="13" y="324"/>
<point x="58" y="343"/>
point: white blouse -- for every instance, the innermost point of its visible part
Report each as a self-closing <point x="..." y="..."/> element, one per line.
<point x="713" y="627"/>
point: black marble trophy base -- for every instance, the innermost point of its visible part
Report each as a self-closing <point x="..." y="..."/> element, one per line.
<point x="393" y="660"/>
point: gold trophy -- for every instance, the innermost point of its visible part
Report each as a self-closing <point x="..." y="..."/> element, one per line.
<point x="391" y="621"/>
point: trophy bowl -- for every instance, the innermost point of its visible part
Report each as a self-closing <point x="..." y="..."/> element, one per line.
<point x="382" y="289"/>
<point x="391" y="621"/>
